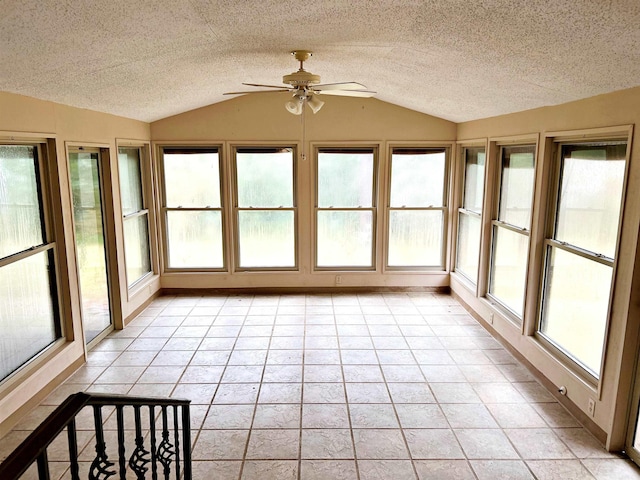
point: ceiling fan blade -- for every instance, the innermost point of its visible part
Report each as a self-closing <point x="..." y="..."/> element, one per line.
<point x="340" y="86"/>
<point x="348" y="93"/>
<point x="267" y="86"/>
<point x="255" y="91"/>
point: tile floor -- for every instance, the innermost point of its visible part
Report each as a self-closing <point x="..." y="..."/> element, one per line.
<point x="352" y="386"/>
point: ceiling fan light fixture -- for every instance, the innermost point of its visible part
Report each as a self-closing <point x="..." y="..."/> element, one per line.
<point x="314" y="103"/>
<point x="294" y="106"/>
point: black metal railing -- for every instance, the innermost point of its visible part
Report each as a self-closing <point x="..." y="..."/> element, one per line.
<point x="153" y="448"/>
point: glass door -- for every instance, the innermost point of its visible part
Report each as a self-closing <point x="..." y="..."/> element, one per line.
<point x="86" y="189"/>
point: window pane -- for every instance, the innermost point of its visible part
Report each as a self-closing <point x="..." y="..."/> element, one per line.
<point x="90" y="242"/>
<point x="417" y="179"/>
<point x="267" y="238"/>
<point x="473" y="179"/>
<point x="345" y="179"/>
<point x="195" y="239"/>
<point x="468" y="246"/>
<point x="27" y="321"/>
<point x="20" y="216"/>
<point x="415" y="238"/>
<point x="345" y="239"/>
<point x="516" y="186"/>
<point x="136" y="247"/>
<point x="576" y="299"/>
<point x="130" y="180"/>
<point x="509" y="267"/>
<point x="265" y="179"/>
<point x="590" y="196"/>
<point x="192" y="179"/>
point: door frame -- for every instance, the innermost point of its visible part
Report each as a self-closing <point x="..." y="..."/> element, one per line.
<point x="105" y="171"/>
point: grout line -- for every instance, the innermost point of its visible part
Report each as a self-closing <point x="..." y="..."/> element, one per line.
<point x="346" y="398"/>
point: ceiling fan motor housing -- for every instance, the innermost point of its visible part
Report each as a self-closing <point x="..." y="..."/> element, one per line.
<point x="301" y="78"/>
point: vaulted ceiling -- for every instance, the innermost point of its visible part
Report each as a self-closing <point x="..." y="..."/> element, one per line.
<point x="455" y="59"/>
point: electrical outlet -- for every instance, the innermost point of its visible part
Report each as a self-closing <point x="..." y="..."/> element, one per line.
<point x="338" y="279"/>
<point x="592" y="407"/>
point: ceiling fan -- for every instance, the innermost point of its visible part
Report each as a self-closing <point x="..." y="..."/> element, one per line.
<point x="306" y="87"/>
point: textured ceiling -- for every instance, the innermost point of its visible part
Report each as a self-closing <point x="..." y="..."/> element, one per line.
<point x="455" y="59"/>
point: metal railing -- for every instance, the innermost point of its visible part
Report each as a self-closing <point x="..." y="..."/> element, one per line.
<point x="157" y="447"/>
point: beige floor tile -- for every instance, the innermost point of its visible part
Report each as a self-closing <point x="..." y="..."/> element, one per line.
<point x="433" y="444"/>
<point x="274" y="444"/>
<point x="324" y="393"/>
<point x="322" y="373"/>
<point x="498" y="393"/>
<point x="209" y="357"/>
<point x="539" y="444"/>
<point x="325" y="416"/>
<point x="583" y="444"/>
<point x="373" y="415"/>
<point x="220" y="470"/>
<point x="239" y="393"/>
<point x="502" y="470"/>
<point x="421" y="416"/>
<point x="229" y="417"/>
<point x="326" y="444"/>
<point x="454" y="393"/>
<point x="270" y="470"/>
<point x="489" y="444"/>
<point x="386" y="469"/>
<point x="612" y="469"/>
<point x="514" y="415"/>
<point x="411" y="393"/>
<point x="328" y="469"/>
<point x="380" y="444"/>
<point x="277" y="416"/>
<point x="220" y="445"/>
<point x="444" y="469"/>
<point x="280" y="393"/>
<point x="367" y="393"/>
<point x="468" y="415"/>
<point x="556" y="415"/>
<point x="564" y="469"/>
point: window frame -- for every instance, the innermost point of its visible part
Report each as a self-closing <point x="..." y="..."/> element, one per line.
<point x="144" y="162"/>
<point x="374" y="150"/>
<point x="549" y="243"/>
<point x="236" y="209"/>
<point x="45" y="176"/>
<point x="496" y="223"/>
<point x="463" y="211"/>
<point x="207" y="148"/>
<point x="444" y="208"/>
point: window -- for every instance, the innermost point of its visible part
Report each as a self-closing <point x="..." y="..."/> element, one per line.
<point x="29" y="318"/>
<point x="135" y="214"/>
<point x="511" y="228"/>
<point x="470" y="214"/>
<point x="193" y="208"/>
<point x="345" y="208"/>
<point x="580" y="250"/>
<point x="417" y="202"/>
<point x="265" y="208"/>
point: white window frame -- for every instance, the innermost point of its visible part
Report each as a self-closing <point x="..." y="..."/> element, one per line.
<point x="43" y="148"/>
<point x="237" y="209"/>
<point x="144" y="161"/>
<point x="549" y="243"/>
<point x="462" y="211"/>
<point x="164" y="209"/>
<point x="496" y="224"/>
<point x="374" y="150"/>
<point x="444" y="208"/>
